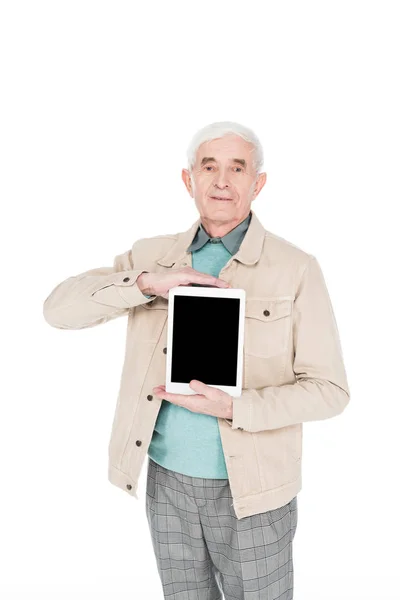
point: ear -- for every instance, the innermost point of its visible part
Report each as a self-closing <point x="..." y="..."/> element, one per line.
<point x="261" y="180"/>
<point x="187" y="181"/>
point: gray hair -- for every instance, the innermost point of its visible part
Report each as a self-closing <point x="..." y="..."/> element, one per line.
<point x="220" y="129"/>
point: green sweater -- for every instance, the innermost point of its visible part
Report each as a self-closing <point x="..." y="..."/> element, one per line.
<point x="184" y="441"/>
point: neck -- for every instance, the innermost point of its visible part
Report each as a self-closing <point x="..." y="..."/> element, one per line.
<point x="220" y="228"/>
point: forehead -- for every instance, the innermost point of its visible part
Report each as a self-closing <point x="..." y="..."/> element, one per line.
<point x="229" y="146"/>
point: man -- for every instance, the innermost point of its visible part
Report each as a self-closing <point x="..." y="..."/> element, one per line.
<point x="223" y="473"/>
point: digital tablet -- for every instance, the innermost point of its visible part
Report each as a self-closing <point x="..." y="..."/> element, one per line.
<point x="205" y="338"/>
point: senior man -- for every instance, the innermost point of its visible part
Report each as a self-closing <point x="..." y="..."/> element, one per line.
<point x="223" y="472"/>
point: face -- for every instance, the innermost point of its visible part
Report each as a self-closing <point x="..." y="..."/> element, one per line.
<point x="224" y="182"/>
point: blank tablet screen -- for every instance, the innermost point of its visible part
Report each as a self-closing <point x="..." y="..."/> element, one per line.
<point x="205" y="340"/>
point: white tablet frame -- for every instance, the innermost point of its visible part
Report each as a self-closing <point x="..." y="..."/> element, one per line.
<point x="213" y="292"/>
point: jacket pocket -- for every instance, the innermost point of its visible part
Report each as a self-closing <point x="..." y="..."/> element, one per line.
<point x="244" y="478"/>
<point x="150" y="319"/>
<point x="267" y="325"/>
<point x="294" y="438"/>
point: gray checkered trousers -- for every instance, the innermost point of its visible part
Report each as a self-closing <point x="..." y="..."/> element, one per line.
<point x="204" y="552"/>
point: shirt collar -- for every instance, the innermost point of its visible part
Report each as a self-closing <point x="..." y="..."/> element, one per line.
<point x="230" y="240"/>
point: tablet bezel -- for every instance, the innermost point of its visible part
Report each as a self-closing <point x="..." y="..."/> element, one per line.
<point x="213" y="292"/>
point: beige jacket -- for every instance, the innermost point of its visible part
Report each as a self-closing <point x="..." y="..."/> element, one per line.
<point x="293" y="368"/>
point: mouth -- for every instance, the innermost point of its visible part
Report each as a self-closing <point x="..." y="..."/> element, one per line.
<point x="221" y="198"/>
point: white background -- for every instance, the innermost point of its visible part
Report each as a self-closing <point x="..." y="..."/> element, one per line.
<point x="98" y="103"/>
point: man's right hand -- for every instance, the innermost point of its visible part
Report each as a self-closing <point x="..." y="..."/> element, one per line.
<point x="159" y="284"/>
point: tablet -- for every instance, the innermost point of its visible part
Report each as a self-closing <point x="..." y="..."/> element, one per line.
<point x="205" y="338"/>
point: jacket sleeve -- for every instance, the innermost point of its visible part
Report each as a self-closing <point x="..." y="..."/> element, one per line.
<point x="95" y="296"/>
<point x="321" y="389"/>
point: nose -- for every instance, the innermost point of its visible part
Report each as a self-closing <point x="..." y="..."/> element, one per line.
<point x="221" y="180"/>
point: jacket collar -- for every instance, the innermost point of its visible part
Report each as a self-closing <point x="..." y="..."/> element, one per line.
<point x="249" y="251"/>
<point x="230" y="240"/>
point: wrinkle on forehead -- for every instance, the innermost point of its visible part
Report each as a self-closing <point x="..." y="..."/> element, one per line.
<point x="230" y="143"/>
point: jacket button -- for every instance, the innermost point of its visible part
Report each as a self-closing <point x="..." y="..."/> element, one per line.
<point x="149" y="397"/>
<point x="138" y="443"/>
<point x="266" y="313"/>
<point x="125" y="279"/>
<point x="128" y="486"/>
<point x="165" y="350"/>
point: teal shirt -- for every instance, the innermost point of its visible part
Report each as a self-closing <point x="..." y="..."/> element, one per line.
<point x="184" y="441"/>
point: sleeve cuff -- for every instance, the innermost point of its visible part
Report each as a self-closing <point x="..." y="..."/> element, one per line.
<point x="121" y="290"/>
<point x="241" y="412"/>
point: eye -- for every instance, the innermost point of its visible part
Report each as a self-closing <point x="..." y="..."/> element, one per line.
<point x="238" y="168"/>
<point x="208" y="167"/>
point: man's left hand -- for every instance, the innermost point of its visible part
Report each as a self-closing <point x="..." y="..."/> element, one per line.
<point x="208" y="400"/>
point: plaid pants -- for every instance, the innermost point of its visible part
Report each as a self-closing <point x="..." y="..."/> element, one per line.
<point x="203" y="552"/>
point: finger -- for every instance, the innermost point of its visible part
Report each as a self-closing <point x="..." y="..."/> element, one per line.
<point x="177" y="398"/>
<point x="213" y="281"/>
<point x="202" y="388"/>
<point x="197" y="277"/>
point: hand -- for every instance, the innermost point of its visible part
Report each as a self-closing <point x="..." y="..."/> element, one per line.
<point x="208" y="400"/>
<point x="159" y="284"/>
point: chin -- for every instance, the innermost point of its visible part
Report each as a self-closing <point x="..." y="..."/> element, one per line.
<point x="216" y="205"/>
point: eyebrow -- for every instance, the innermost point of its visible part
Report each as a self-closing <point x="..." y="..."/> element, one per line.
<point x="207" y="159"/>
